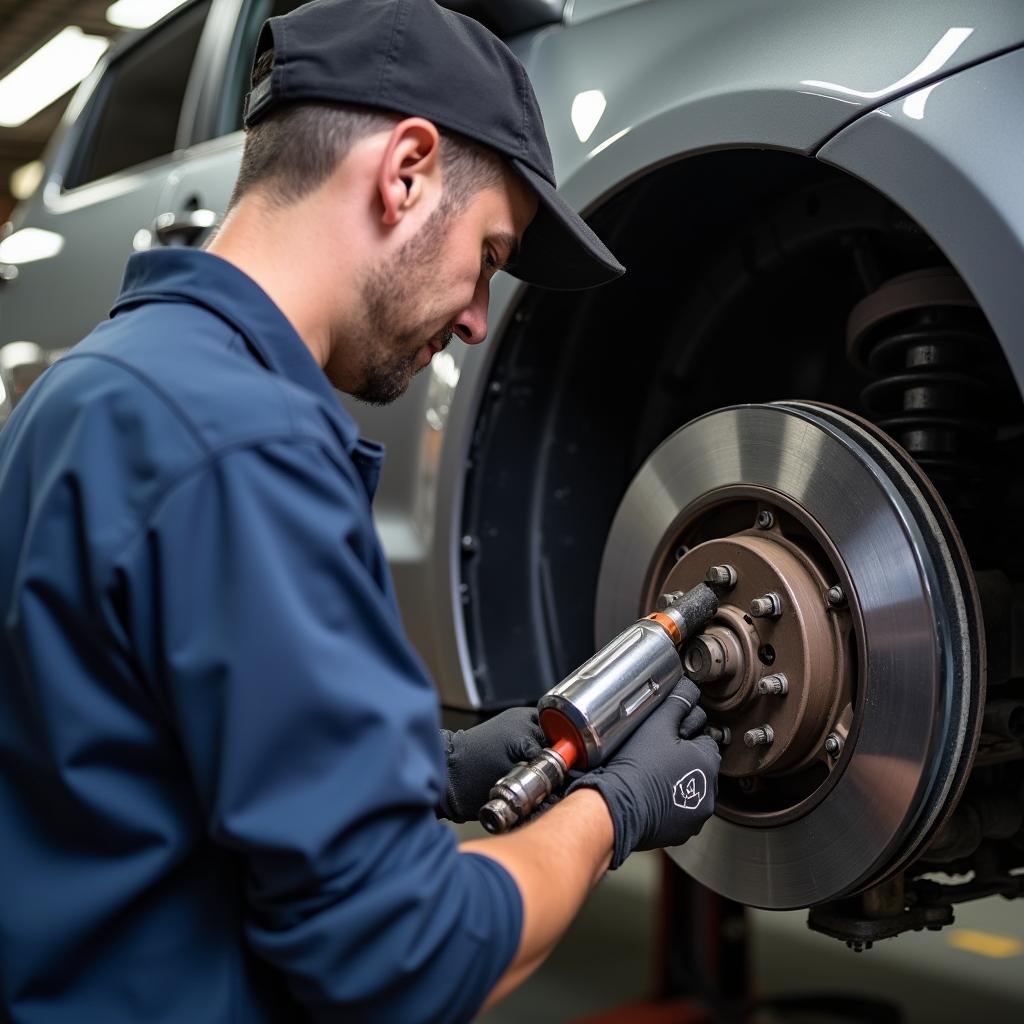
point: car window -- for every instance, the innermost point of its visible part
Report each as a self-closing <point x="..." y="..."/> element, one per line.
<point x="134" y="114"/>
<point x="256" y="13"/>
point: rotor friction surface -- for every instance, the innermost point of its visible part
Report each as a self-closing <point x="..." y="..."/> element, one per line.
<point x="912" y="688"/>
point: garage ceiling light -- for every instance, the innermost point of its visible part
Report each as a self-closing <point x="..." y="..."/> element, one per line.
<point x="51" y="71"/>
<point x="139" y="13"/>
<point x="25" y="180"/>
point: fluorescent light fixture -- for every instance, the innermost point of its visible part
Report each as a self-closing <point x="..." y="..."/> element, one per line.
<point x="29" y="245"/>
<point x="139" y="13"/>
<point x="587" y="109"/>
<point x="51" y="71"/>
<point x="25" y="180"/>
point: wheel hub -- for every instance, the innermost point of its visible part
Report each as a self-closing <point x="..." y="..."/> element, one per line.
<point x="844" y="666"/>
<point x="787" y="672"/>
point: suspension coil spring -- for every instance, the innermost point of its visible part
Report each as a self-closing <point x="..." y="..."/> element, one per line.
<point x="927" y="342"/>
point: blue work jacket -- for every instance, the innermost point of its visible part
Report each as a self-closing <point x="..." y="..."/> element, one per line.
<point x="219" y="756"/>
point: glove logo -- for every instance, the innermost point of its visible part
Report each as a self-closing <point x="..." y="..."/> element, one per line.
<point x="690" y="790"/>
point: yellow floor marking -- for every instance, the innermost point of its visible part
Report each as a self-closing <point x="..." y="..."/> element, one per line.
<point x="999" y="947"/>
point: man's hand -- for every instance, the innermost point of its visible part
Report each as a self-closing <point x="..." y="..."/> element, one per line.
<point x="660" y="787"/>
<point x="478" y="757"/>
<point x="658" y="790"/>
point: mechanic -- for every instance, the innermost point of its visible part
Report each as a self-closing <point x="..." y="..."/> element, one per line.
<point x="221" y="769"/>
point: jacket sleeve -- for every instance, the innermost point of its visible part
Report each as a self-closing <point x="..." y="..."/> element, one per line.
<point x="311" y="732"/>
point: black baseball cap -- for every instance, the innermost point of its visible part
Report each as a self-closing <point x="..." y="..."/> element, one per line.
<point x="413" y="57"/>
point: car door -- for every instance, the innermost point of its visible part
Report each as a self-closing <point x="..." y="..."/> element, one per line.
<point x="200" y="186"/>
<point x="102" y="190"/>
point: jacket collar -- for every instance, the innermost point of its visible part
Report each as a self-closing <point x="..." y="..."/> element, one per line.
<point x="219" y="286"/>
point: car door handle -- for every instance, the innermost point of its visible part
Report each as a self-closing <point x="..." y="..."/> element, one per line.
<point x="183" y="228"/>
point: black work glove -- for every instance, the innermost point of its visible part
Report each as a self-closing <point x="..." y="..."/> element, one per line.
<point x="478" y="757"/>
<point x="660" y="786"/>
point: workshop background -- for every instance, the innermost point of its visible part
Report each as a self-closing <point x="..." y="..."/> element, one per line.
<point x="40" y="70"/>
<point x="615" y="953"/>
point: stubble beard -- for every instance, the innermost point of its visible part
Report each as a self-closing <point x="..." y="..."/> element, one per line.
<point x="394" y="329"/>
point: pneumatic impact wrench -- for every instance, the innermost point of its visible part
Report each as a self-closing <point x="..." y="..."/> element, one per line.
<point x="591" y="712"/>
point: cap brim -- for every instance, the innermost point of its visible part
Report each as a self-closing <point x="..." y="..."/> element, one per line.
<point x="558" y="250"/>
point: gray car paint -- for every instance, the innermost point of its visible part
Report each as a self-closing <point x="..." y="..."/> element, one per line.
<point x="700" y="87"/>
<point x="954" y="160"/>
<point x="678" y="78"/>
<point x="577" y="11"/>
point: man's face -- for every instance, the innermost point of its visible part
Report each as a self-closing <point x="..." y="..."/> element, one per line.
<point x="435" y="288"/>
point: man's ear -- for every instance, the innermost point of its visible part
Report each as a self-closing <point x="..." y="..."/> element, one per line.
<point x="410" y="166"/>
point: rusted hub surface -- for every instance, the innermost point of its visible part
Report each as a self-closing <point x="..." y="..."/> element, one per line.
<point x="804" y="644"/>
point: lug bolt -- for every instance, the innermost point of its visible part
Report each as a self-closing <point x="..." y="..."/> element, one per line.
<point x="666" y="599"/>
<point x="722" y="576"/>
<point x="769" y="606"/>
<point x="776" y="684"/>
<point x="834" y="744"/>
<point x="835" y="597"/>
<point x="763" y="736"/>
<point x="765" y="520"/>
<point x="722" y="736"/>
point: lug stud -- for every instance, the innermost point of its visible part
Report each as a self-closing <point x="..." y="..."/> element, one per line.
<point x="768" y="606"/>
<point x="765" y="520"/>
<point x="834" y="744"/>
<point x="762" y="736"/>
<point x="666" y="599"/>
<point x="722" y="576"/>
<point x="775" y="684"/>
<point x="835" y="597"/>
<point x="722" y="736"/>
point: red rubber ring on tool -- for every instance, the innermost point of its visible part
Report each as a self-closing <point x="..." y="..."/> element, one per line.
<point x="674" y="633"/>
<point x="564" y="736"/>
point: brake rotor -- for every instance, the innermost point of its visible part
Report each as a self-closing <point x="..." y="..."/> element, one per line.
<point x="845" y="666"/>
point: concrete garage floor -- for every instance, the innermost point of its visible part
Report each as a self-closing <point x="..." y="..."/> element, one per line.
<point x="926" y="974"/>
<point x="973" y="971"/>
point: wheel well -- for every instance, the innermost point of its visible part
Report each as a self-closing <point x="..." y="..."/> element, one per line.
<point x="743" y="267"/>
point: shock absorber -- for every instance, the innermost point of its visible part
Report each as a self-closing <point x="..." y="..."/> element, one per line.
<point x="924" y="338"/>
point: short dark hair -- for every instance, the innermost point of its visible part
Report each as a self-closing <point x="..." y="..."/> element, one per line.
<point x="296" y="148"/>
